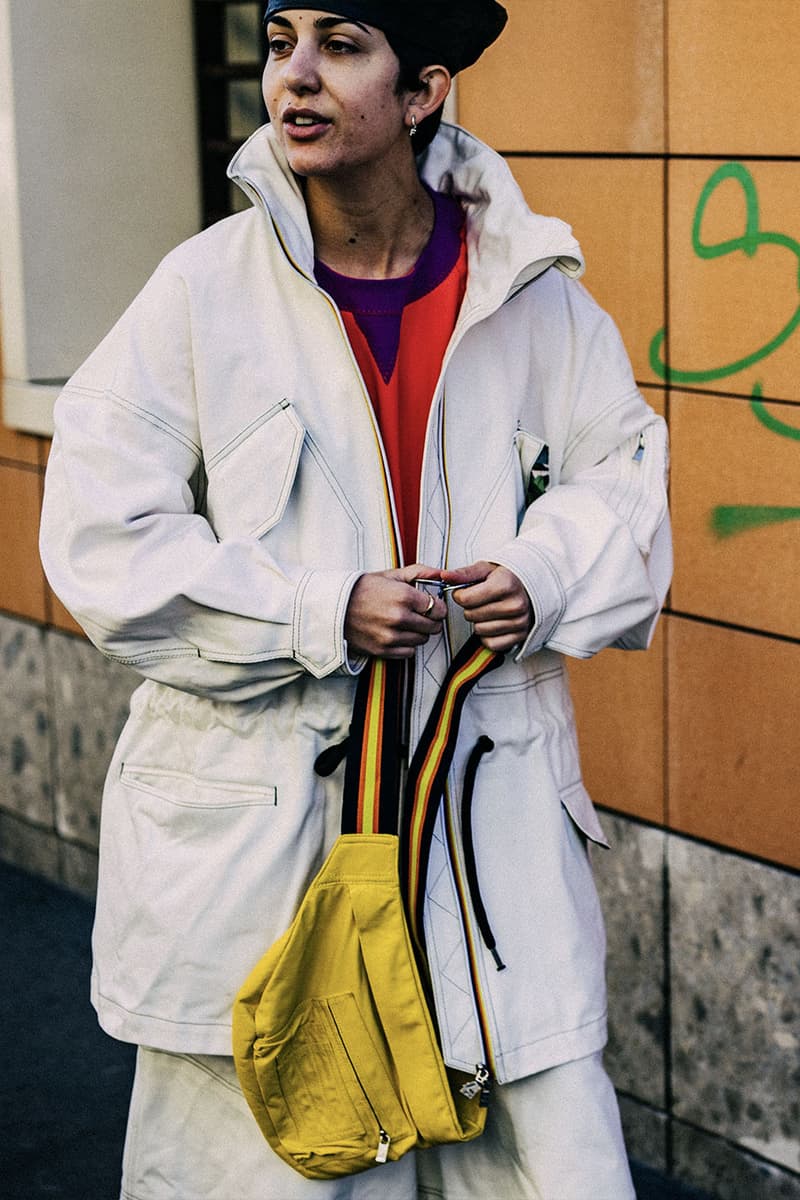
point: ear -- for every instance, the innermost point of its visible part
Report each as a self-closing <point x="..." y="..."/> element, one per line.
<point x="435" y="84"/>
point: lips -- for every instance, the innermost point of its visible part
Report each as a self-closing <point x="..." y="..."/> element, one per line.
<point x="304" y="123"/>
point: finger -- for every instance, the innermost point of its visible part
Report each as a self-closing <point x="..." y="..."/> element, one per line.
<point x="475" y="572"/>
<point x="395" y="643"/>
<point x="502" y="645"/>
<point x="509" y="609"/>
<point x="497" y="629"/>
<point x="433" y="608"/>
<point x="416" y="571"/>
<point x="499" y="587"/>
<point x="479" y="596"/>
<point x="405" y="604"/>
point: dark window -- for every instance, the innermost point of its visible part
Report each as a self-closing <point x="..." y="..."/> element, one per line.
<point x="230" y="49"/>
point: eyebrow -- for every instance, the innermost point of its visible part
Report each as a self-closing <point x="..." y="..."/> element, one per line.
<point x="322" y="23"/>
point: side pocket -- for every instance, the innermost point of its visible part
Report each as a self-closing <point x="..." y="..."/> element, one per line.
<point x="182" y="790"/>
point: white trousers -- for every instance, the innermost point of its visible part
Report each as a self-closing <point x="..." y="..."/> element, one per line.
<point x="552" y="1136"/>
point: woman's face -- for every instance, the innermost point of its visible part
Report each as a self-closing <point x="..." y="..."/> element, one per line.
<point x="330" y="91"/>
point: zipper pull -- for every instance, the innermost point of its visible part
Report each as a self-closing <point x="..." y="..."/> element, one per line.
<point x="639" y="454"/>
<point x="477" y="1086"/>
<point x="384" y="1141"/>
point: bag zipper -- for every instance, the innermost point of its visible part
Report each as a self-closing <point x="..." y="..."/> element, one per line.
<point x="384" y="1140"/>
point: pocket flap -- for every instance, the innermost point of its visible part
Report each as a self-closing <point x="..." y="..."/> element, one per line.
<point x="578" y="803"/>
<point x="250" y="480"/>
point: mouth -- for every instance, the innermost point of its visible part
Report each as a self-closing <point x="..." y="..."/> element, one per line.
<point x="304" y="123"/>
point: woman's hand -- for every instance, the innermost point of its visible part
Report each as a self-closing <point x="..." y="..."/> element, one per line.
<point x="494" y="602"/>
<point x="388" y="617"/>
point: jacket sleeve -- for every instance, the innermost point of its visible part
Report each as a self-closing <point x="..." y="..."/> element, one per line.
<point x="127" y="548"/>
<point x="594" y="552"/>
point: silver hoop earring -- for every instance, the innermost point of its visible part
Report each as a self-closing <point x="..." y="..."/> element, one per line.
<point x="412" y="131"/>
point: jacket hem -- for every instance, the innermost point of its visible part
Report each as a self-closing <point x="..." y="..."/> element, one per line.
<point x="176" y="1037"/>
<point x="552" y="1051"/>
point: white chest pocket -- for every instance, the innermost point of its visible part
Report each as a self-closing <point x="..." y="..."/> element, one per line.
<point x="250" y="479"/>
<point x="275" y="481"/>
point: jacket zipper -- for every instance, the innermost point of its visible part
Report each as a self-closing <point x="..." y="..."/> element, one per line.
<point x="484" y="1070"/>
<point x="393" y="525"/>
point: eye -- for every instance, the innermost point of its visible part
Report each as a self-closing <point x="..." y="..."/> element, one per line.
<point x="278" y="45"/>
<point x="337" y="45"/>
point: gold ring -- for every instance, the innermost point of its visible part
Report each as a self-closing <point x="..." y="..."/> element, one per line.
<point x="430" y="606"/>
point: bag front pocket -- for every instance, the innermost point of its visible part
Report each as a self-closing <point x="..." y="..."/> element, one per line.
<point x="328" y="1091"/>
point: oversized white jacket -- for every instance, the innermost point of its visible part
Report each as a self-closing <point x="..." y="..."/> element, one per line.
<point x="217" y="484"/>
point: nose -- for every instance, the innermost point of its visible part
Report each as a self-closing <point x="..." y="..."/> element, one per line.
<point x="300" y="70"/>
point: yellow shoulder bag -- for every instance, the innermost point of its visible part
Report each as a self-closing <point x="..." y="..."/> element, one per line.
<point x="333" y="1038"/>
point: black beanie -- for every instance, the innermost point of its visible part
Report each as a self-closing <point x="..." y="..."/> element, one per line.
<point x="454" y="33"/>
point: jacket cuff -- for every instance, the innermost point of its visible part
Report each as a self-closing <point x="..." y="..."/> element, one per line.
<point x="353" y="663"/>
<point x="547" y="596"/>
<point x="318" y="643"/>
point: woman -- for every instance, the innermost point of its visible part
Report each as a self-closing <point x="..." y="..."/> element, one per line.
<point x="386" y="361"/>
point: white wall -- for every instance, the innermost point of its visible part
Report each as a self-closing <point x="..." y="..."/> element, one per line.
<point x="99" y="175"/>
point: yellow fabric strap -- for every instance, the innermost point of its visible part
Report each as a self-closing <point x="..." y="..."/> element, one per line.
<point x="427" y="774"/>
<point x="372" y="776"/>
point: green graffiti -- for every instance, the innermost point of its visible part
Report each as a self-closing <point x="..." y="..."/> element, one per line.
<point x="726" y="520"/>
<point x="749" y="243"/>
<point x="772" y="423"/>
<point x="729" y="519"/>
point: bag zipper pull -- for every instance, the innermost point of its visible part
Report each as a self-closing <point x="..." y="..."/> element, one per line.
<point x="384" y="1141"/>
<point x="478" y="1086"/>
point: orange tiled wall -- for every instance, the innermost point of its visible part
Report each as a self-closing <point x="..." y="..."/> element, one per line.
<point x="22" y="585"/>
<point x="23" y="588"/>
<point x="667" y="132"/>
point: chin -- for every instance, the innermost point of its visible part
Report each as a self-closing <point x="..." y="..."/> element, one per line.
<point x="308" y="165"/>
<point x="311" y="164"/>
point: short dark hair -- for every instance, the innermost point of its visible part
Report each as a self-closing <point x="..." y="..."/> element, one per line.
<point x="409" y="79"/>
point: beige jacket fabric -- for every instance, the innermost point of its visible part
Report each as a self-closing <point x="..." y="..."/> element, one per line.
<point x="216" y="486"/>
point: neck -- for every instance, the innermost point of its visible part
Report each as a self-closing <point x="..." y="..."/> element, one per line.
<point x="369" y="228"/>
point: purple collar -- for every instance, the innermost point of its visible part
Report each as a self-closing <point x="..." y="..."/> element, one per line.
<point x="377" y="304"/>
